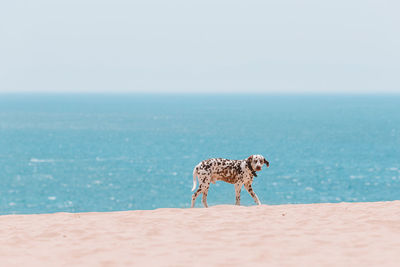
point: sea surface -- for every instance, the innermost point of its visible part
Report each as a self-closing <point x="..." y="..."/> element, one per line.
<point x="83" y="152"/>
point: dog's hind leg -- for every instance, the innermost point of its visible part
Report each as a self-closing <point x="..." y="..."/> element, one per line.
<point x="204" y="199"/>
<point x="195" y="195"/>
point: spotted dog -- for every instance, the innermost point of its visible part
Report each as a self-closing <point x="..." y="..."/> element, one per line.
<point x="237" y="172"/>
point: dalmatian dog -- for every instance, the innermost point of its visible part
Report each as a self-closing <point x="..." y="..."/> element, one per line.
<point x="237" y="172"/>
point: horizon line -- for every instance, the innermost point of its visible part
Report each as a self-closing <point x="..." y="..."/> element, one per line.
<point x="195" y="93"/>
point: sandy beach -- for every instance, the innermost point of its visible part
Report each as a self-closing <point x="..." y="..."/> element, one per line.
<point x="343" y="234"/>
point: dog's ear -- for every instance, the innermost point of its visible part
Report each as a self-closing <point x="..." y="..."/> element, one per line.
<point x="266" y="162"/>
<point x="249" y="160"/>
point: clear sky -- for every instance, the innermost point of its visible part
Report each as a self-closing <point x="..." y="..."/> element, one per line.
<point x="200" y="46"/>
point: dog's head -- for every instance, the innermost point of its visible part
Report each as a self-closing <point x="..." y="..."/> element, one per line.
<point x="256" y="162"/>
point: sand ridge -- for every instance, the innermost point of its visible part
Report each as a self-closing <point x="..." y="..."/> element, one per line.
<point x="342" y="234"/>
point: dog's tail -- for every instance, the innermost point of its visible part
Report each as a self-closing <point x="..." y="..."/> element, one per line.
<point x="194" y="178"/>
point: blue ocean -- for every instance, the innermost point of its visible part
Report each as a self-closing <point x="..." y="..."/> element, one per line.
<point x="94" y="152"/>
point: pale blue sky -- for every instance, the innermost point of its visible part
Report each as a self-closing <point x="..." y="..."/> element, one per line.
<point x="200" y="46"/>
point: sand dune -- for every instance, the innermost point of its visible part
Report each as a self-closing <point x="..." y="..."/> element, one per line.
<point x="344" y="234"/>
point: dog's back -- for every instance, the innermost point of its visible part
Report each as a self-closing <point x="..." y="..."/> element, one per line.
<point x="226" y="170"/>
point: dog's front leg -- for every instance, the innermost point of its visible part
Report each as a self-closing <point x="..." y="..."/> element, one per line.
<point x="238" y="189"/>
<point x="252" y="194"/>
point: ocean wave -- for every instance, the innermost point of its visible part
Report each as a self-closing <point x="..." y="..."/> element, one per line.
<point x="114" y="159"/>
<point x="35" y="160"/>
